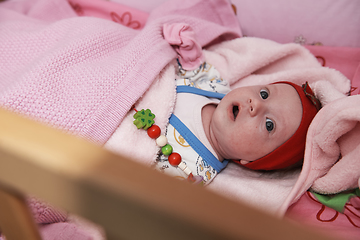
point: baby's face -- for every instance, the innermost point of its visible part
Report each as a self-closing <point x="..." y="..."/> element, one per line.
<point x="251" y="122"/>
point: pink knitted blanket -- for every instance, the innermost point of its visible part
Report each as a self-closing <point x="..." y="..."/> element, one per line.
<point x="83" y="74"/>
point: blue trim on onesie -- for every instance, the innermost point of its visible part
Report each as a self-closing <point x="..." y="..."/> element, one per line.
<point x="193" y="90"/>
<point x="191" y="139"/>
<point x="195" y="143"/>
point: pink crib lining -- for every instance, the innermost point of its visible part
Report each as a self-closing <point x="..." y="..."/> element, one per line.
<point x="344" y="59"/>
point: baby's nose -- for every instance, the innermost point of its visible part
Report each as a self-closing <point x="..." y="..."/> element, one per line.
<point x="255" y="107"/>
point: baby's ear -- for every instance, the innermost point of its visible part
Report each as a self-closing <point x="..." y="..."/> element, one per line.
<point x="243" y="162"/>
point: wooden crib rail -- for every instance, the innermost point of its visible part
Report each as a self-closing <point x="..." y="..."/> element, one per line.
<point x="129" y="200"/>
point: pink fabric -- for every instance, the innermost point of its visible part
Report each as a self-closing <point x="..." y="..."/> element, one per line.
<point x="183" y="39"/>
<point x="44" y="213"/>
<point x="83" y="74"/>
<point x="75" y="228"/>
<point x="72" y="72"/>
<point x="344" y="59"/>
<point x="334" y="130"/>
<point x="311" y="212"/>
<point x="63" y="231"/>
<point x="329" y="22"/>
<point x="331" y="162"/>
<point x="116" y="12"/>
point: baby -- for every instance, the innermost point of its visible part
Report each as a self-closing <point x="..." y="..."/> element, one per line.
<point x="259" y="127"/>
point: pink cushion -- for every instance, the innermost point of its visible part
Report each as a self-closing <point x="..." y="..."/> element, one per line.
<point x="329" y="22"/>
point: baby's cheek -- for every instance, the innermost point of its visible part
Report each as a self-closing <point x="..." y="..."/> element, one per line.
<point x="244" y="150"/>
<point x="252" y="150"/>
<point x="235" y="141"/>
<point x="250" y="153"/>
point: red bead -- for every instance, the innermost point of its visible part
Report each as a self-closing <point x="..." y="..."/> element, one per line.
<point x="174" y="159"/>
<point x="154" y="131"/>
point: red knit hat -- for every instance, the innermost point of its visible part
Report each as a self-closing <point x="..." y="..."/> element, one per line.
<point x="292" y="151"/>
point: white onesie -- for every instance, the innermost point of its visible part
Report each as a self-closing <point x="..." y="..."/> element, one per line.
<point x="188" y="108"/>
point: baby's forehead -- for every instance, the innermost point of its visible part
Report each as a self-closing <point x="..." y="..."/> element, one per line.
<point x="277" y="88"/>
<point x="284" y="90"/>
<point x="271" y="86"/>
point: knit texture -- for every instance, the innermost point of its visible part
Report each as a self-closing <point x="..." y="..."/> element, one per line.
<point x="44" y="213"/>
<point x="83" y="74"/>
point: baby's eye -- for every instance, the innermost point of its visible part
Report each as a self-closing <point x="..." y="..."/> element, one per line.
<point x="264" y="93"/>
<point x="269" y="125"/>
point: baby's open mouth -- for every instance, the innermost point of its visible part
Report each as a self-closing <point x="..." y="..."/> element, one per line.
<point x="235" y="111"/>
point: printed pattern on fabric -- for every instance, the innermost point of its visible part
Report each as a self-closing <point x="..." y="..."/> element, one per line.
<point x="193" y="160"/>
<point x="311" y="211"/>
<point x="206" y="77"/>
<point x="350" y="212"/>
<point x="116" y="12"/>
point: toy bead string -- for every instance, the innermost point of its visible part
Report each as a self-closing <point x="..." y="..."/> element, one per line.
<point x="145" y="119"/>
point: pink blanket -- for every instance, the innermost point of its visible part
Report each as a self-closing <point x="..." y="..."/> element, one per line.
<point x="83" y="74"/>
<point x="72" y="72"/>
<point x="344" y="59"/>
<point x="331" y="163"/>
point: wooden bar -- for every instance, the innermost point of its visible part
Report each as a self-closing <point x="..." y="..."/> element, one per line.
<point x="14" y="213"/>
<point x="129" y="200"/>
